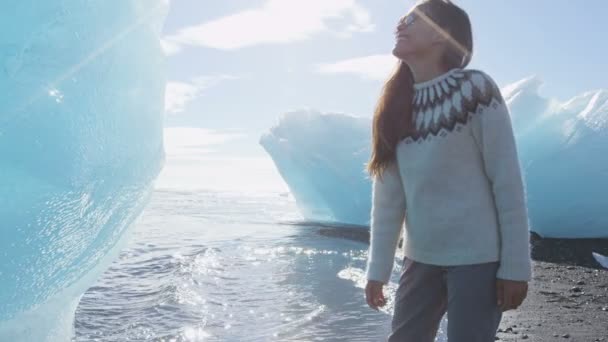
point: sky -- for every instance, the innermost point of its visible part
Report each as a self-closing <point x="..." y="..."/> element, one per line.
<point x="234" y="66"/>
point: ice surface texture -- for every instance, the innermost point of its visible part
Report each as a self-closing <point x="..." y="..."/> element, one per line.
<point x="320" y="157"/>
<point x="562" y="149"/>
<point x="82" y="86"/>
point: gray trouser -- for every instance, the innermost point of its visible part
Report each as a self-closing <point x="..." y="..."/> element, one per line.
<point x="425" y="292"/>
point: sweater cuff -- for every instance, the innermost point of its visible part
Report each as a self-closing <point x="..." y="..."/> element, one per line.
<point x="515" y="270"/>
<point x="379" y="272"/>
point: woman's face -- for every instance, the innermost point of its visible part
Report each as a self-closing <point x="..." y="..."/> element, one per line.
<point x="415" y="36"/>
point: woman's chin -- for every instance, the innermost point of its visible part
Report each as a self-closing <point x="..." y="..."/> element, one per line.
<point x="399" y="52"/>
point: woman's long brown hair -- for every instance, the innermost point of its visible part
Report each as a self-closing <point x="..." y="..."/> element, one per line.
<point x="392" y="118"/>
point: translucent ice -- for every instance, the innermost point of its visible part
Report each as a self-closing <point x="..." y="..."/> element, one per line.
<point x="320" y="157"/>
<point x="562" y="150"/>
<point x="601" y="259"/>
<point x="82" y="87"/>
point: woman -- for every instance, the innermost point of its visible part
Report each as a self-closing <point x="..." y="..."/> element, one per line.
<point x="444" y="160"/>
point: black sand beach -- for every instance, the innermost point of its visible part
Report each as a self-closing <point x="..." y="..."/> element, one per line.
<point x="568" y="295"/>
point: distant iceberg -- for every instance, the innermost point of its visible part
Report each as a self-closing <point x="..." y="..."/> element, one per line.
<point x="82" y="86"/>
<point x="320" y="157"/>
<point x="562" y="150"/>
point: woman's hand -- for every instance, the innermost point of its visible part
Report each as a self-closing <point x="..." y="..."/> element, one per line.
<point x="510" y="293"/>
<point x="374" y="294"/>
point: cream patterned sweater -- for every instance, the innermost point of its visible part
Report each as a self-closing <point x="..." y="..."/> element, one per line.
<point x="456" y="183"/>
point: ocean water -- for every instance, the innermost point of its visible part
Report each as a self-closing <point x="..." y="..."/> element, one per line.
<point x="232" y="266"/>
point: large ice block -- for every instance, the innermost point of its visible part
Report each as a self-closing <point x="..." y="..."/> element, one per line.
<point x="82" y="86"/>
<point x="320" y="157"/>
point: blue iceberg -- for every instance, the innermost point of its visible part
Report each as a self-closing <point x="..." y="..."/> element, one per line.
<point x="82" y="86"/>
<point x="321" y="157"/>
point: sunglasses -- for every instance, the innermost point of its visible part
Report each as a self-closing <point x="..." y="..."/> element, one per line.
<point x="405" y="22"/>
<point x="408" y="19"/>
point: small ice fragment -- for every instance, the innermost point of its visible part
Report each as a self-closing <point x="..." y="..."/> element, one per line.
<point x="602" y="259"/>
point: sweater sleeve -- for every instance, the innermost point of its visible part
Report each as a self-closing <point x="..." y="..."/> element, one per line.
<point x="386" y="223"/>
<point x="493" y="133"/>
